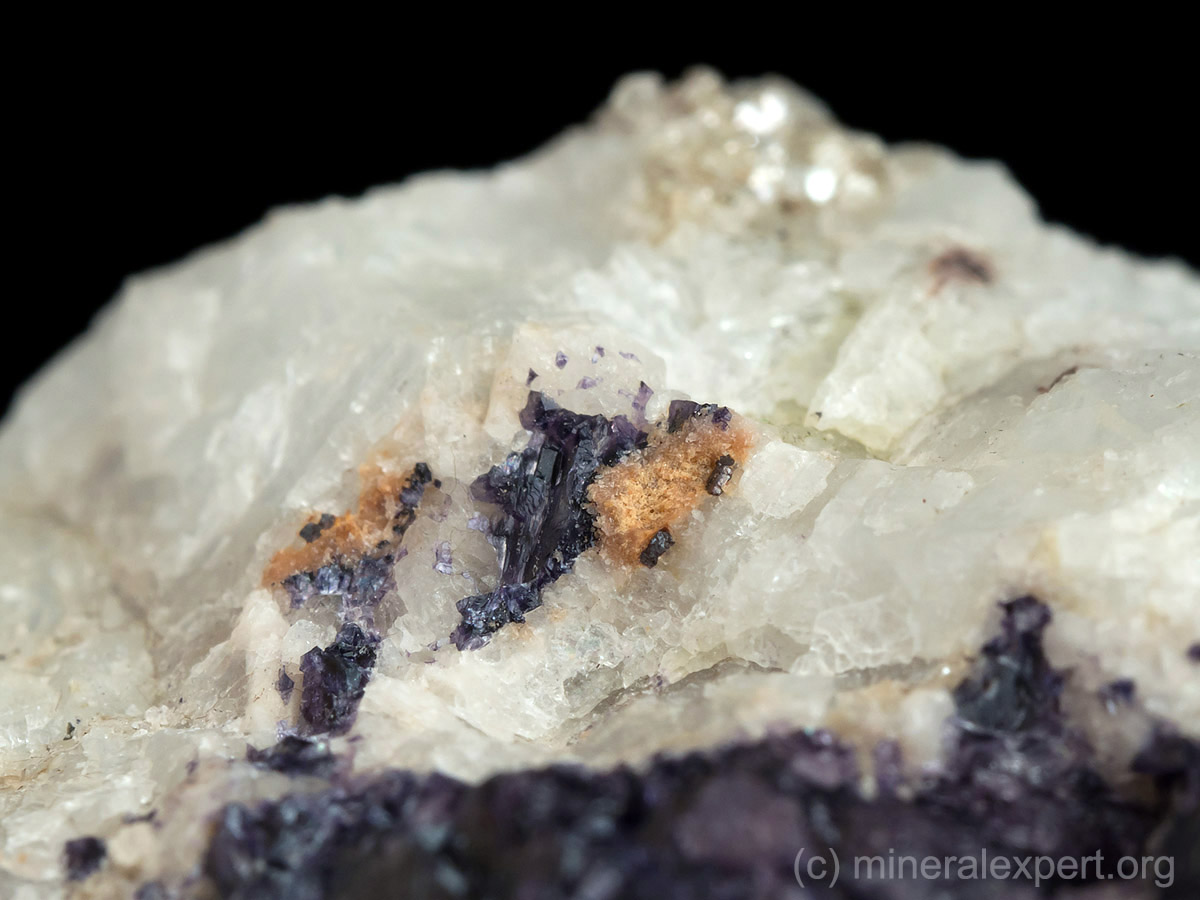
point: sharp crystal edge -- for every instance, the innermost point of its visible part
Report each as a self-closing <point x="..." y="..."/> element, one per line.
<point x="715" y="483"/>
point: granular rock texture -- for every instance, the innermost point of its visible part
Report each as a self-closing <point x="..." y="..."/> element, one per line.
<point x="713" y="429"/>
<point x="1016" y="784"/>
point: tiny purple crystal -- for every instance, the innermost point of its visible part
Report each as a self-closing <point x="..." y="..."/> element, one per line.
<point x="721" y="474"/>
<point x="295" y="755"/>
<point x="285" y="685"/>
<point x="659" y="544"/>
<point x="1117" y="693"/>
<point x="313" y="530"/>
<point x="83" y="856"/>
<point x="442" y="561"/>
<point x="639" y="402"/>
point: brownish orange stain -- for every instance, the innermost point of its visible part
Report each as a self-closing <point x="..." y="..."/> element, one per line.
<point x="353" y="533"/>
<point x="658" y="487"/>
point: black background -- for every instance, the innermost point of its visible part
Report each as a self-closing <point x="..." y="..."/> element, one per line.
<point x="131" y="161"/>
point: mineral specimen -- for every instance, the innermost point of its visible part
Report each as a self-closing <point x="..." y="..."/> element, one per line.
<point x="369" y="489"/>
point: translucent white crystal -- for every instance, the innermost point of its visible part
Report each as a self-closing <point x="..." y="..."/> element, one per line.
<point x="953" y="403"/>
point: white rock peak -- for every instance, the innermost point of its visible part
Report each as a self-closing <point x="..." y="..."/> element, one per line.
<point x="951" y="402"/>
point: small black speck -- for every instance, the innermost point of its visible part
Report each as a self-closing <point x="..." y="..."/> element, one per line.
<point x="83" y="856"/>
<point x="818" y="414"/>
<point x="721" y="473"/>
<point x="312" y="530"/>
<point x="659" y="544"/>
<point x="70" y="731"/>
<point x="529" y="378"/>
<point x="1193" y="652"/>
<point x="1117" y="693"/>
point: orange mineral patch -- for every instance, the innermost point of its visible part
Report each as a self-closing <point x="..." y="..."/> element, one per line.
<point x="352" y="534"/>
<point x="660" y="486"/>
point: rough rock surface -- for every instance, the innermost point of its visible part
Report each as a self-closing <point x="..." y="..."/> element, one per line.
<point x="259" y="464"/>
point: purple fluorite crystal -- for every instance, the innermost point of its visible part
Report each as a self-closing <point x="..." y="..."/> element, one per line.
<point x="295" y="755"/>
<point x="542" y="524"/>
<point x="285" y="685"/>
<point x="680" y="411"/>
<point x="83" y="856"/>
<point x="728" y="823"/>
<point x="334" y="680"/>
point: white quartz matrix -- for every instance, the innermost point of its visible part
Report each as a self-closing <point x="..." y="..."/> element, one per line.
<point x="953" y="403"/>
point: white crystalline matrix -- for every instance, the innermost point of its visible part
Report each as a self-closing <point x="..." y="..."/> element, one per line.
<point x="947" y="403"/>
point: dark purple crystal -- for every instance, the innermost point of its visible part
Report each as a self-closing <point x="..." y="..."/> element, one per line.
<point x="721" y="474"/>
<point x="334" y="680"/>
<point x="1012" y="685"/>
<point x="312" y="530"/>
<point x="299" y="588"/>
<point x="83" y="856"/>
<point x="639" y="402"/>
<point x="680" y="411"/>
<point x="414" y="490"/>
<point x="295" y="755"/>
<point x="285" y="685"/>
<point x="659" y="544"/>
<point x="541" y="524"/>
<point x="729" y="822"/>
<point x="485" y="614"/>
